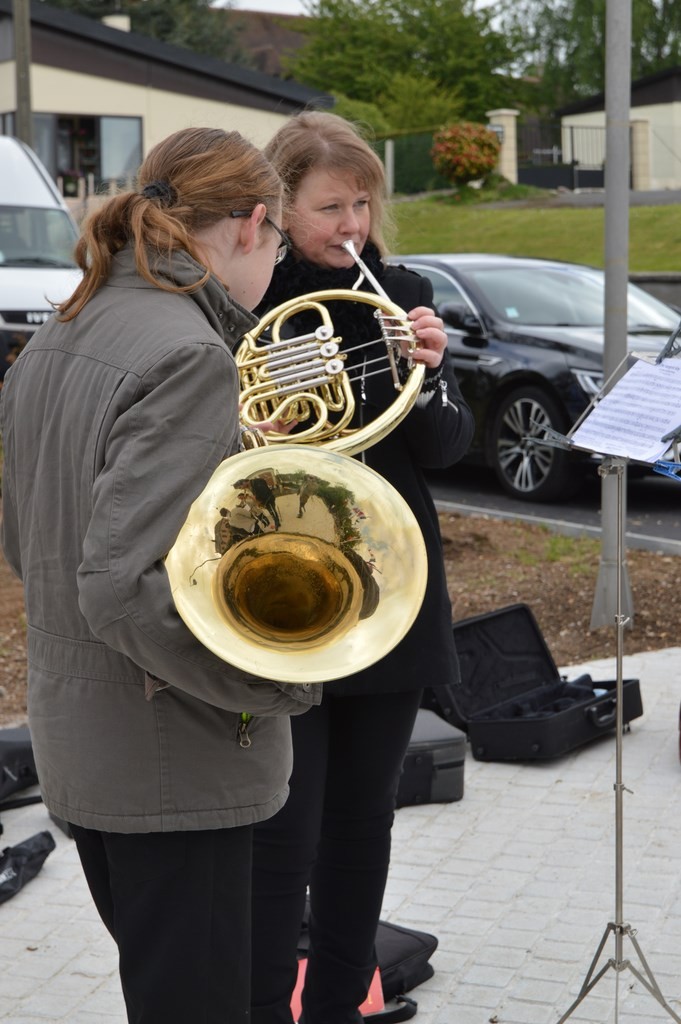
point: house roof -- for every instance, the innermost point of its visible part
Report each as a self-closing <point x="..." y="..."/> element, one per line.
<point x="60" y="38"/>
<point x="658" y="88"/>
<point x="267" y="37"/>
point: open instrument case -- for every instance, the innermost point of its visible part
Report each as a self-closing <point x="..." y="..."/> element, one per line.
<point x="512" y="701"/>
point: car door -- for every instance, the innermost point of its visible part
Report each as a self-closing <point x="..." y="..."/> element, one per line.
<point x="471" y="352"/>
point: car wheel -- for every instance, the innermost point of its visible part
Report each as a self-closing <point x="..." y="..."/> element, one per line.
<point x="526" y="470"/>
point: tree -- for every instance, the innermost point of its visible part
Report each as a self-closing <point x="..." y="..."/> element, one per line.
<point x="364" y="114"/>
<point x="564" y="48"/>
<point x="436" y="105"/>
<point x="193" y="24"/>
<point x="358" y="47"/>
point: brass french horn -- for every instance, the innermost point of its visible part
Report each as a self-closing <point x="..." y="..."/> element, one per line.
<point x="296" y="562"/>
<point x="304" y="378"/>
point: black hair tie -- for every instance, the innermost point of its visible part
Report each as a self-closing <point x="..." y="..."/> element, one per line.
<point x="160" y="190"/>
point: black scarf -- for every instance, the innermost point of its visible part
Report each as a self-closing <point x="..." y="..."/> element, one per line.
<point x="294" y="277"/>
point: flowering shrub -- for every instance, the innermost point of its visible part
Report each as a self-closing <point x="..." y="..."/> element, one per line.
<point x="464" y="152"/>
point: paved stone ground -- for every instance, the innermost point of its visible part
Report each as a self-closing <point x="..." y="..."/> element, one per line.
<point x="517" y="880"/>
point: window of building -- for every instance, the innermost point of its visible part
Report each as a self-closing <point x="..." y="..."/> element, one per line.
<point x="81" y="152"/>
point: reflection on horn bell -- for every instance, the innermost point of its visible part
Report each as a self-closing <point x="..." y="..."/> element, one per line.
<point x="298" y="564"/>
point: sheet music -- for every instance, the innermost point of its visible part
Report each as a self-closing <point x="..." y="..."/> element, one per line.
<point x="632" y="419"/>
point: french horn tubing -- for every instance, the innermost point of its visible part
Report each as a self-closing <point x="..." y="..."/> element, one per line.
<point x="303" y="378"/>
<point x="296" y="562"/>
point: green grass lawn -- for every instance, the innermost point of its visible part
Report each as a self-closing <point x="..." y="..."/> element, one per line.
<point x="436" y="224"/>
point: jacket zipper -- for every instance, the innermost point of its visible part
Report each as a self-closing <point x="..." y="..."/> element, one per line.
<point x="242" y="732"/>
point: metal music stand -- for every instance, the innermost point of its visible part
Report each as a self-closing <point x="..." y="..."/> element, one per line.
<point x="619" y="928"/>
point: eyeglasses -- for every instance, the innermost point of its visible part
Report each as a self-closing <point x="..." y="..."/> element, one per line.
<point x="285" y="240"/>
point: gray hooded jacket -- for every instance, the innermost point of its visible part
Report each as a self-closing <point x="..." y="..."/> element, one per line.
<point x="112" y="424"/>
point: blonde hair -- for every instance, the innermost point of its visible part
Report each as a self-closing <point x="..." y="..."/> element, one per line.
<point x="191" y="180"/>
<point x="315" y="139"/>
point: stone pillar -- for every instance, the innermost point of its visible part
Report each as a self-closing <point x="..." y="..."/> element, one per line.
<point x="640" y="156"/>
<point x="119" y="21"/>
<point x="504" y="123"/>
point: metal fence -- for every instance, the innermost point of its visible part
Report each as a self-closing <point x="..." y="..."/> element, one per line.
<point x="554" y="155"/>
<point x="550" y="155"/>
<point x="410" y="165"/>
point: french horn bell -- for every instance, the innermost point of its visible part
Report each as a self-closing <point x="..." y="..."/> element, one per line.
<point x="299" y="565"/>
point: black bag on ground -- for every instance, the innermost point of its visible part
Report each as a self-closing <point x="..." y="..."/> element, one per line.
<point x="17" y="763"/>
<point x="403" y="956"/>
<point x="512" y="701"/>
<point x="20" y="863"/>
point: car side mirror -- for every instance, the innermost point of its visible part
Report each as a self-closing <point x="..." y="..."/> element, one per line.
<point x="459" y="316"/>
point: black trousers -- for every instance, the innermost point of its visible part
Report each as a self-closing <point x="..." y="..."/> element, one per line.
<point x="178" y="907"/>
<point x="333" y="833"/>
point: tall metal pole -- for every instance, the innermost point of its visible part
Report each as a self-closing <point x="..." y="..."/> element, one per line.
<point x="617" y="172"/>
<point x="22" y="61"/>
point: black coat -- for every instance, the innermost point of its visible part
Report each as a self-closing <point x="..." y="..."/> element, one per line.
<point x="427" y="438"/>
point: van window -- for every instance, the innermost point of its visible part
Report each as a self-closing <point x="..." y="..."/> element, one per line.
<point x="38" y="237"/>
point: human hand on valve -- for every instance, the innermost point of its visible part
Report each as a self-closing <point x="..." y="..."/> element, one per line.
<point x="428" y="328"/>
<point x="280" y="426"/>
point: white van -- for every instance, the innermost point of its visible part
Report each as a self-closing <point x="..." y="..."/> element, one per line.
<point x="37" y="239"/>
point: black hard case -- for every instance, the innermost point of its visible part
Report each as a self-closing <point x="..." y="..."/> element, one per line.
<point x="512" y="701"/>
<point x="433" y="767"/>
<point x="17" y="763"/>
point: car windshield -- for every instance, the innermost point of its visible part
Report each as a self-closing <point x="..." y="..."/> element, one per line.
<point x="33" y="236"/>
<point x="552" y="297"/>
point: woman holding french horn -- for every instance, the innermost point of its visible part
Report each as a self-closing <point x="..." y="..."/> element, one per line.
<point x="114" y="418"/>
<point x="333" y="833"/>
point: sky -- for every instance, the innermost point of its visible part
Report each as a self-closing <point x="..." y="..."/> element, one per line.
<point x="274" y="6"/>
<point x="286" y="6"/>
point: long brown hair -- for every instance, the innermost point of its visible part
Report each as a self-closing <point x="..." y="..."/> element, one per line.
<point x="314" y="140"/>
<point x="188" y="181"/>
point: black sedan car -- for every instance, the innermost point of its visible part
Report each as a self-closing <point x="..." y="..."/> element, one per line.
<point x="526" y="336"/>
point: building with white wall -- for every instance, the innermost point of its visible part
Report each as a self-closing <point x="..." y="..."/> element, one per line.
<point x="655" y="115"/>
<point x="102" y="96"/>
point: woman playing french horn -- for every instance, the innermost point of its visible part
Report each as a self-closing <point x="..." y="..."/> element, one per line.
<point x="333" y="833"/>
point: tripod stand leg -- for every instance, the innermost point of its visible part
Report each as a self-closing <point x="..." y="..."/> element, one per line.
<point x="649" y="981"/>
<point x="591" y="980"/>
